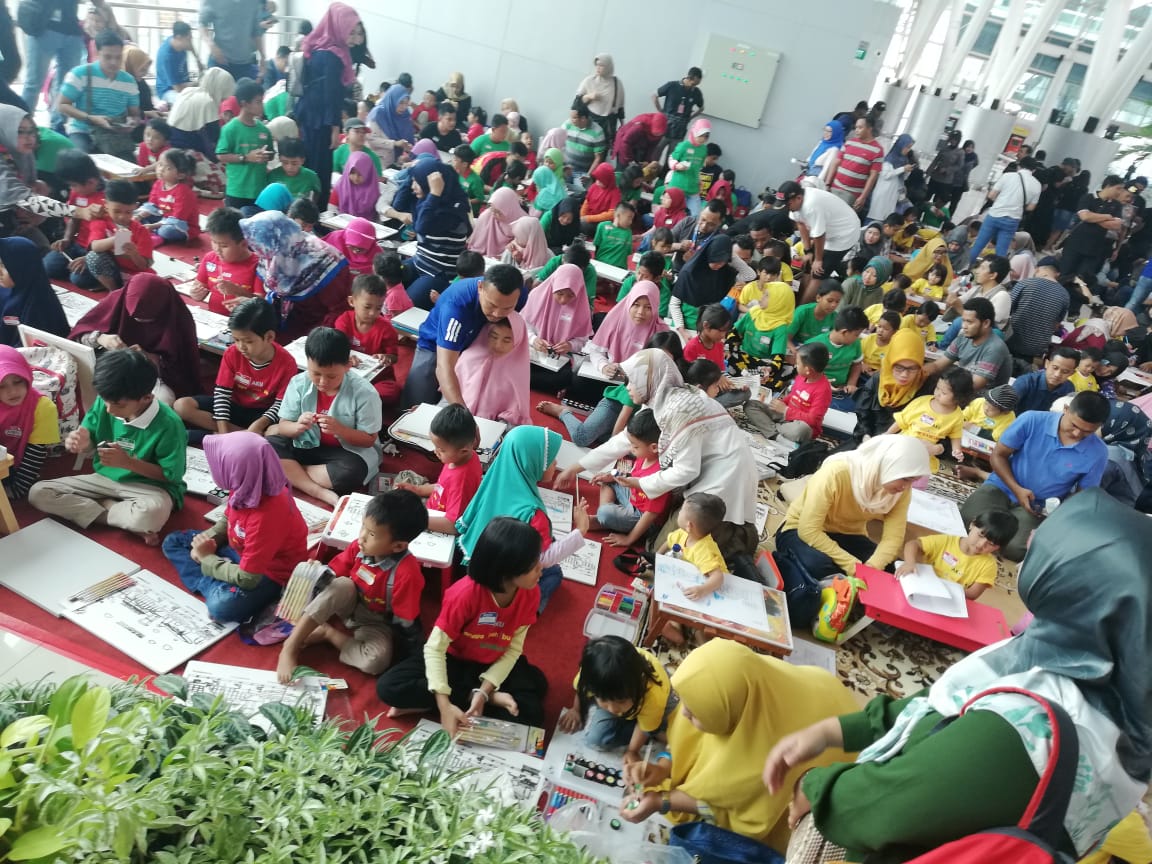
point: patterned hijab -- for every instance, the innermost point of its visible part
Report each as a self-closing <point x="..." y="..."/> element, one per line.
<point x="293" y="264"/>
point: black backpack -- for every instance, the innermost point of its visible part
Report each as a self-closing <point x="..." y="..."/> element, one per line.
<point x="805" y="459"/>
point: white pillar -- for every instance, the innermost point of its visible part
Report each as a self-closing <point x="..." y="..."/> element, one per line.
<point x="1007" y="44"/>
<point x="1004" y="86"/>
<point x="927" y="13"/>
<point x="1125" y="75"/>
<point x="1101" y="74"/>
<point x="954" y="56"/>
<point x="1054" y="88"/>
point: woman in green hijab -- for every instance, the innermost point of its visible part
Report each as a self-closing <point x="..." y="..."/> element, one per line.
<point x="549" y="181"/>
<point x="867" y="288"/>
<point x="526" y="459"/>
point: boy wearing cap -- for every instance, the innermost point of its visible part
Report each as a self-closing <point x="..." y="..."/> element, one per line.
<point x="355" y="140"/>
<point x="994" y="413"/>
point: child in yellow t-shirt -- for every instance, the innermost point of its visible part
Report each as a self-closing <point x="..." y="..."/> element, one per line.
<point x="993" y="413"/>
<point x="1084" y="378"/>
<point x="700" y="515"/>
<point x="932" y="419"/>
<point x="921" y="321"/>
<point x="875" y="345"/>
<point x="894" y="300"/>
<point x="969" y="561"/>
<point x="769" y="305"/>
<point x="932" y="283"/>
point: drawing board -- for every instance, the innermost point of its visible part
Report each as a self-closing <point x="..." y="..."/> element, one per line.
<point x="410" y="320"/>
<point x="740" y="601"/>
<point x="155" y="623"/>
<point x="938" y="514"/>
<point x="84" y="356"/>
<point x="245" y="690"/>
<point x="583" y="566"/>
<point x="413" y="427"/>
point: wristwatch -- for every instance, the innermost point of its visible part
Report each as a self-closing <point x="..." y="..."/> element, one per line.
<point x="665" y="803"/>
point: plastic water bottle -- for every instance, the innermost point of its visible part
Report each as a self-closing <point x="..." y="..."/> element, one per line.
<point x="676" y="551"/>
<point x="1050" y="505"/>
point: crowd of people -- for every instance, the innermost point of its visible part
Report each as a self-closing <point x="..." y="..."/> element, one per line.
<point x="849" y="288"/>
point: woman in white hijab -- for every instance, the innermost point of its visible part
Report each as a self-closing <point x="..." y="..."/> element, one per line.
<point x="603" y="93"/>
<point x="826" y="529"/>
<point x="195" y="122"/>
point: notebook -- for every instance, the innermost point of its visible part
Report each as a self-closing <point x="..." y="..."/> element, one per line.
<point x="367" y="368"/>
<point x="929" y="593"/>
<point x="413" y="427"/>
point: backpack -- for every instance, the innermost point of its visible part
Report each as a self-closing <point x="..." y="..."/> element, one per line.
<point x="805" y="459"/>
<point x="1039" y="835"/>
<point x="54" y="374"/>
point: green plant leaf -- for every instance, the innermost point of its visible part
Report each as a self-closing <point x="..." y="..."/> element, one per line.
<point x="361" y="739"/>
<point x="174" y="685"/>
<point x="435" y="747"/>
<point x="5" y="824"/>
<point x="90" y="715"/>
<point x="24" y="729"/>
<point x="281" y="716"/>
<point x="65" y="697"/>
<point x="38" y="843"/>
<point x="306" y="672"/>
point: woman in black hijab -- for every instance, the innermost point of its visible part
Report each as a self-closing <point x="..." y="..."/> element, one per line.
<point x="706" y="278"/>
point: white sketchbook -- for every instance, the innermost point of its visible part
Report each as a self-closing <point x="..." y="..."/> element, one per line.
<point x="558" y="506"/>
<point x="245" y="690"/>
<point x="1136" y="377"/>
<point x="155" y="623"/>
<point x="551" y="362"/>
<point x="583" y="565"/>
<point x="740" y="601"/>
<point x="367" y="368"/>
<point x="929" y="593"/>
<point x="172" y="269"/>
<point x="114" y="166"/>
<point x="75" y="305"/>
<point x="316" y="518"/>
<point x="413" y="428"/>
<point x="410" y="320"/>
<point x="840" y="421"/>
<point x="938" y="514"/>
<point x="197" y="475"/>
<point x="344" y="527"/>
<point x="337" y="221"/>
<point x="587" y="370"/>
<point x="209" y="324"/>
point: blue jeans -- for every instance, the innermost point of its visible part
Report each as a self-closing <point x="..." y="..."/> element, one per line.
<point x="39" y="52"/>
<point x="1139" y="294"/>
<point x="422" y="385"/>
<point x="949" y="335"/>
<point x="236" y="70"/>
<point x="605" y="731"/>
<point x="999" y="228"/>
<point x="597" y="428"/>
<point x="621" y="516"/>
<point x="56" y="266"/>
<point x="550" y="579"/>
<point x="225" y="602"/>
<point x="692" y="202"/>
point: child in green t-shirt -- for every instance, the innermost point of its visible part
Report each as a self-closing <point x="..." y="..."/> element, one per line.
<point x="245" y="146"/>
<point x="139" y="449"/>
<point x="462" y="159"/>
<point x="355" y="139"/>
<point x="579" y="255"/>
<point x="844" y="349"/>
<point x="650" y="268"/>
<point x="613" y="239"/>
<point x="300" y="181"/>
<point x="812" y="319"/>
<point x="687" y="160"/>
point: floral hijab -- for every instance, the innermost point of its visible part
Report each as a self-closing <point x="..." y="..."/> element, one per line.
<point x="294" y="265"/>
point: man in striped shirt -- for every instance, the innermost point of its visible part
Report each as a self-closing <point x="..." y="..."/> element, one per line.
<point x="96" y="94"/>
<point x="586" y="143"/>
<point x="859" y="165"/>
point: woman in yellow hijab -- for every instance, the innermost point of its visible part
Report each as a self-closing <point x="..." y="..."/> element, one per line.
<point x="898" y="383"/>
<point x="734" y="706"/>
<point x="935" y="251"/>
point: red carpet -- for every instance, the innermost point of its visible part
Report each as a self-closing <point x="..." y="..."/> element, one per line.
<point x="553" y="645"/>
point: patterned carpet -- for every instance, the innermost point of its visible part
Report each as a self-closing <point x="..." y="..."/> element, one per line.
<point x="880" y="659"/>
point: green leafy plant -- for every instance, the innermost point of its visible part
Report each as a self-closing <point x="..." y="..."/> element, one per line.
<point x="97" y="775"/>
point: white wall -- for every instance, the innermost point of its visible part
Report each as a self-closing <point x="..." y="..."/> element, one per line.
<point x="537" y="53"/>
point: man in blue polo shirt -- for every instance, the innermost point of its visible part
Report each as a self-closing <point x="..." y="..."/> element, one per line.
<point x="172" y="62"/>
<point x="452" y="326"/>
<point x="1039" y="390"/>
<point x="1042" y="455"/>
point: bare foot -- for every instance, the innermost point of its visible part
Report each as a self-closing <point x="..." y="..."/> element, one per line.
<point x="550" y="409"/>
<point x="505" y="701"/>
<point x="401" y="712"/>
<point x="150" y="538"/>
<point x="286" y="665"/>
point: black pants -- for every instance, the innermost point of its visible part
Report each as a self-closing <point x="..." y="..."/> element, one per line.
<point x="1076" y="263"/>
<point x="834" y="263"/>
<point x="405" y="686"/>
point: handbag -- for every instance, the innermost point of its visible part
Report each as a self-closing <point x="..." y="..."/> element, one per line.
<point x="710" y="844"/>
<point x="116" y="141"/>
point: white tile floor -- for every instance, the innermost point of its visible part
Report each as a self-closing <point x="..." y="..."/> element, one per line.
<point x="21" y="660"/>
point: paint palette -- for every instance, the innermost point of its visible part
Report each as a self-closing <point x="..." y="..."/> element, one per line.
<point x="616" y="612"/>
<point x="593" y="772"/>
<point x="556" y="796"/>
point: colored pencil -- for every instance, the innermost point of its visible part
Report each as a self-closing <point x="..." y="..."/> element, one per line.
<point x="103" y="588"/>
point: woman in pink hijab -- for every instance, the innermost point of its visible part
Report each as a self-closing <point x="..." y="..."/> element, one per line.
<point x="493" y="372"/>
<point x="626" y="329"/>
<point x="559" y="323"/>
<point x="493" y="229"/>
<point x="358" y="188"/>
<point x="357" y="243"/>
<point x="529" y="247"/>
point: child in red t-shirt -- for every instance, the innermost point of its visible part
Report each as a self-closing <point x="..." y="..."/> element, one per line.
<point x="473" y="661"/>
<point x="713" y="326"/>
<point x="254" y="373"/>
<point x="376" y="591"/>
<point x="156" y="135"/>
<point x="370" y="332"/>
<point x="171" y="212"/>
<point x="227" y="275"/>
<point x="86" y="198"/>
<point x="799" y="416"/>
<point x="120" y="247"/>
<point x="623" y="505"/>
<point x="455" y="438"/>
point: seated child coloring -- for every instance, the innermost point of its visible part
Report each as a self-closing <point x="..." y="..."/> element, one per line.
<point x="652" y="267"/>
<point x="139" y="448"/>
<point x="874" y="345"/>
<point x="327" y="437"/>
<point x="933" y="284"/>
<point x="613" y="240"/>
<point x="253" y="376"/>
<point x="623" y="697"/>
<point x="171" y="211"/>
<point x="376" y="592"/>
<point x="768" y="307"/>
<point x="356" y="242"/>
<point x="921" y="320"/>
<point x="473" y="663"/>
<point x="815" y="318"/>
<point x="300" y="181"/>
<point x="157" y="134"/>
<point x="932" y="419"/>
<point x="86" y="198"/>
<point x="454" y="437"/>
<point x="29" y="422"/>
<point x="305" y="213"/>
<point x="119" y="246"/>
<point x="969" y="560"/>
<point x="389" y="267"/>
<point x="992" y="413"/>
<point x="894" y="300"/>
<point x="699" y="516"/>
<point x="245" y="147"/>
<point x="358" y="188"/>
<point x="227" y="275"/>
<point x="843" y="344"/>
<point x="713" y="325"/>
<point x="799" y="415"/>
<point x="624" y="509"/>
<point x="242" y="563"/>
<point x="370" y="332"/>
